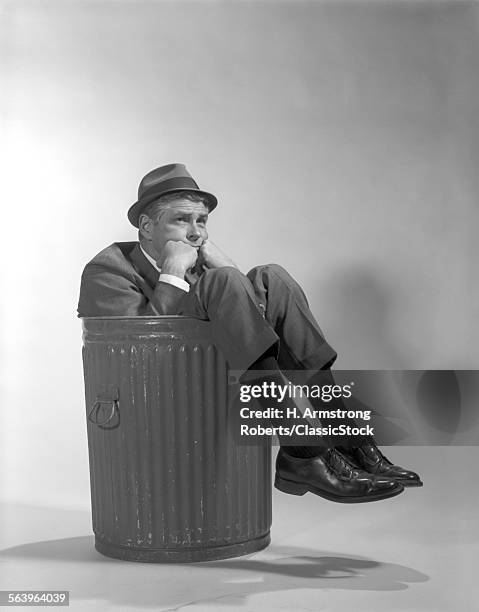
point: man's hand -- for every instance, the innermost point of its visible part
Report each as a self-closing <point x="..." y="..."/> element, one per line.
<point x="211" y="257"/>
<point x="176" y="258"/>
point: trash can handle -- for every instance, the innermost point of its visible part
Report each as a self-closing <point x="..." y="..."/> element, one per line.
<point x="108" y="398"/>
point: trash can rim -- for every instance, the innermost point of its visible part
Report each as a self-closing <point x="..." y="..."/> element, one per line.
<point x="154" y="318"/>
<point x="132" y="326"/>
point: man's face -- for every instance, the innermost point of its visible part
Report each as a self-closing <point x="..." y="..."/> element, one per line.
<point x="180" y="220"/>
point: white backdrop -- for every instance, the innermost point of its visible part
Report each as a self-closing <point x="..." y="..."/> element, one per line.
<point x="341" y="139"/>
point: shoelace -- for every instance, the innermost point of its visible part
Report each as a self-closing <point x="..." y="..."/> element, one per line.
<point x="340" y="464"/>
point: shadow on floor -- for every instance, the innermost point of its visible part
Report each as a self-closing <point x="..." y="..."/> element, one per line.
<point x="89" y="576"/>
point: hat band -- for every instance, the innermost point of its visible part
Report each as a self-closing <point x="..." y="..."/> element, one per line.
<point x="179" y="182"/>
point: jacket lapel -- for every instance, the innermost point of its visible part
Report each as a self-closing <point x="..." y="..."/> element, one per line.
<point x="143" y="266"/>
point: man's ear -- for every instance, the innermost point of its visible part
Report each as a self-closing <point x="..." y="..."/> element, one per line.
<point x="145" y="226"/>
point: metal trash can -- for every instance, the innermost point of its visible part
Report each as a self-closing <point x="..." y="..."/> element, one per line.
<point x="169" y="483"/>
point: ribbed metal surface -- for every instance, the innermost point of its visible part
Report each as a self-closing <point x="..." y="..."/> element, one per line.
<point x="168" y="481"/>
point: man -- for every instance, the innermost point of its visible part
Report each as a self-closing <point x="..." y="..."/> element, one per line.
<point x="261" y="321"/>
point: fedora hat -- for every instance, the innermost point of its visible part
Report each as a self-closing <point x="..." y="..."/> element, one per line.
<point x="163" y="180"/>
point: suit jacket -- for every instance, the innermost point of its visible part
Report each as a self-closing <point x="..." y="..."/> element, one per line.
<point x="120" y="281"/>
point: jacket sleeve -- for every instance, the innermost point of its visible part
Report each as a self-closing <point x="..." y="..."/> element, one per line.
<point x="105" y="292"/>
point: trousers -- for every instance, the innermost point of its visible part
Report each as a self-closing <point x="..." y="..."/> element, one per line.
<point x="266" y="308"/>
<point x="251" y="313"/>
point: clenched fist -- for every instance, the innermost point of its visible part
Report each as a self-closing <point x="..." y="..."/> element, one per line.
<point x="211" y="257"/>
<point x="176" y="258"/>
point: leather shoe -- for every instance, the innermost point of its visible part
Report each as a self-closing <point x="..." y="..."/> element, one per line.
<point x="332" y="476"/>
<point x="368" y="457"/>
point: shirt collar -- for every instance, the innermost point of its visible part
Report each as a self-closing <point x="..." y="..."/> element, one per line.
<point x="150" y="259"/>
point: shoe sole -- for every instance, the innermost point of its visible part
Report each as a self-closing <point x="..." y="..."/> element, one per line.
<point x="411" y="483"/>
<point x="296" y="488"/>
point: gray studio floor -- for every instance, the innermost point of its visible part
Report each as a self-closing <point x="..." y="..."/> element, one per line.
<point x="418" y="551"/>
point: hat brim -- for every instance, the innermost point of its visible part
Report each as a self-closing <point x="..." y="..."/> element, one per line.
<point x="137" y="208"/>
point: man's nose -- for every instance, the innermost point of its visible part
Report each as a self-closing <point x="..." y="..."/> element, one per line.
<point x="193" y="232"/>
